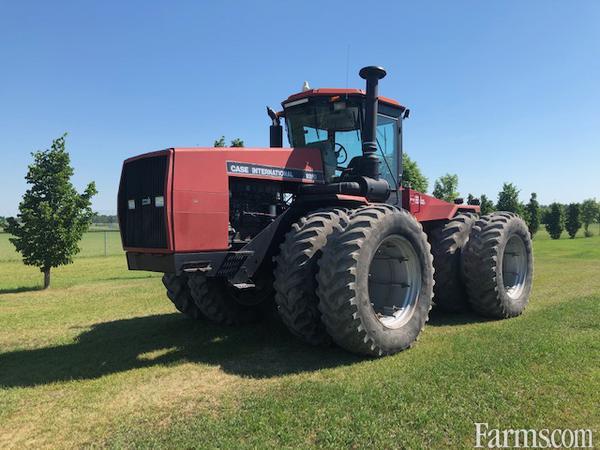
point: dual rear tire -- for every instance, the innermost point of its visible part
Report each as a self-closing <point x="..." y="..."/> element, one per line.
<point x="498" y="266"/>
<point x="484" y="264"/>
<point x="447" y="244"/>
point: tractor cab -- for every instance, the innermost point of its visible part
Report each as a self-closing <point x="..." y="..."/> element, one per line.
<point x="333" y="120"/>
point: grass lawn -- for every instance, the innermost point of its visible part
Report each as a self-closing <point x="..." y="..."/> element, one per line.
<point x="102" y="359"/>
<point x="94" y="243"/>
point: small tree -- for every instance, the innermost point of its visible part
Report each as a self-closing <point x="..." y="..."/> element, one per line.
<point x="508" y="199"/>
<point x="555" y="220"/>
<point x="237" y="143"/>
<point x="573" y="221"/>
<point x="446" y="187"/>
<point x="412" y="176"/>
<point x="590" y="210"/>
<point x="2" y="223"/>
<point x="533" y="214"/>
<point x="52" y="215"/>
<point x="544" y="212"/>
<point x="486" y="205"/>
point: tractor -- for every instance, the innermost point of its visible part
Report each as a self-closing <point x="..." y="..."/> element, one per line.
<point x="325" y="232"/>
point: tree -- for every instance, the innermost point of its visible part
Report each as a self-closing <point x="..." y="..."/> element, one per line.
<point x="52" y="215"/>
<point x="412" y="176"/>
<point x="446" y="187"/>
<point x="237" y="142"/>
<point x="533" y="214"/>
<point x="508" y="199"/>
<point x="486" y="205"/>
<point x="471" y="199"/>
<point x="590" y="210"/>
<point x="573" y="222"/>
<point x="555" y="220"/>
<point x="2" y="223"/>
<point x="544" y="212"/>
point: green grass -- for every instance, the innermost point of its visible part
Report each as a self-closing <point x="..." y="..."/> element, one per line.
<point x="92" y="244"/>
<point x="101" y="359"/>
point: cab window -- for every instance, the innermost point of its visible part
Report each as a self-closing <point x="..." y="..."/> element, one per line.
<point x="312" y="134"/>
<point x="387" y="143"/>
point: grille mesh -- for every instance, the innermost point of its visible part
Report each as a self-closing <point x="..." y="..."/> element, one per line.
<point x="142" y="182"/>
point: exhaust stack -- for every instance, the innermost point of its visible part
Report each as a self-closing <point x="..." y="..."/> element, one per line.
<point x="370" y="162"/>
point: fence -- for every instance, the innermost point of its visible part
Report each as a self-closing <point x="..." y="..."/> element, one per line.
<point x="99" y="241"/>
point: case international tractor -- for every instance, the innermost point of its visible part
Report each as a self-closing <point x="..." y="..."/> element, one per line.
<point x="324" y="229"/>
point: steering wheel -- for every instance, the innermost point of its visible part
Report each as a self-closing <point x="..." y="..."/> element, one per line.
<point x="341" y="153"/>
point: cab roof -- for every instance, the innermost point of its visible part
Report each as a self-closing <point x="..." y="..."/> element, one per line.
<point x="332" y="92"/>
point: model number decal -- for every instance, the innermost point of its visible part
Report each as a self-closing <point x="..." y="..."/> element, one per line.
<point x="242" y="168"/>
<point x="417" y="200"/>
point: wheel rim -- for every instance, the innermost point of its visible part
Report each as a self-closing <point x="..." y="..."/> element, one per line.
<point x="514" y="266"/>
<point x="394" y="281"/>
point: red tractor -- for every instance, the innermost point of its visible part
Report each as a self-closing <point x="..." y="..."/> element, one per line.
<point x="325" y="229"/>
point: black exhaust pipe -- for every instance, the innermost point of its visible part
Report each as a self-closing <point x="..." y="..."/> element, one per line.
<point x="370" y="162"/>
<point x="275" y="130"/>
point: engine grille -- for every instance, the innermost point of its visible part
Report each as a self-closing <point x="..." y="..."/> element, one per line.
<point x="142" y="203"/>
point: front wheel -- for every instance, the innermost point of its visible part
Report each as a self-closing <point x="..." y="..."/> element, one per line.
<point x="375" y="281"/>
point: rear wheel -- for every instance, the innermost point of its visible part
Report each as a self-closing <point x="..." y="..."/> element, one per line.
<point x="447" y="243"/>
<point x="220" y="302"/>
<point x="179" y="293"/>
<point x="375" y="281"/>
<point x="295" y="270"/>
<point x="498" y="265"/>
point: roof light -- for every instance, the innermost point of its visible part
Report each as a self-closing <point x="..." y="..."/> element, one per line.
<point x="305" y="87"/>
<point x="295" y="102"/>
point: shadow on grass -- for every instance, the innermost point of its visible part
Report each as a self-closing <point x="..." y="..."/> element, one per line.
<point x="439" y="318"/>
<point x="256" y="351"/>
<point x="20" y="289"/>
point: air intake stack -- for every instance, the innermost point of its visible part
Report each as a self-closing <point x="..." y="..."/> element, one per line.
<point x="370" y="162"/>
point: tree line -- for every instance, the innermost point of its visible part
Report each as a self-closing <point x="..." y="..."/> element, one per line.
<point x="556" y="217"/>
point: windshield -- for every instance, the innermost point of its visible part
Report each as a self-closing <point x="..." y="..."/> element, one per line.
<point x="335" y="129"/>
<point x="330" y="127"/>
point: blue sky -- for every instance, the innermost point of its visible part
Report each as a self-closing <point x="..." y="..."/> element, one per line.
<point x="498" y="90"/>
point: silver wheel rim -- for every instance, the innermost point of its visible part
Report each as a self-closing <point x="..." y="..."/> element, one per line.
<point x="514" y="266"/>
<point x="394" y="281"/>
